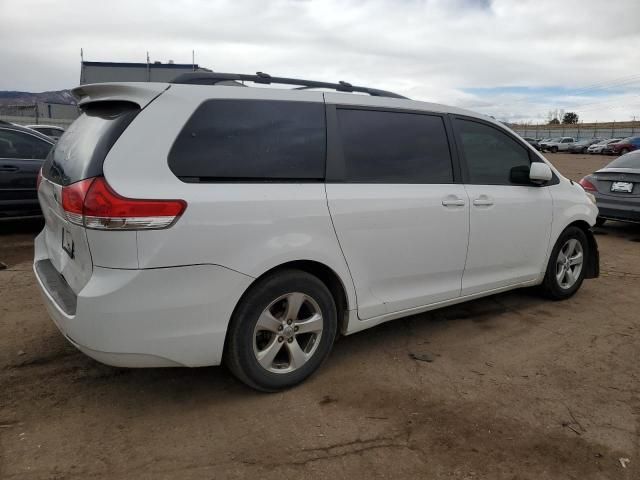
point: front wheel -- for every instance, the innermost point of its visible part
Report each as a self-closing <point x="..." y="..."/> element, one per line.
<point x="554" y="149"/>
<point x="567" y="264"/>
<point x="282" y="331"/>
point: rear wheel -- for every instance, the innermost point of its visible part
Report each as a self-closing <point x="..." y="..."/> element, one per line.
<point x="567" y="265"/>
<point x="624" y="151"/>
<point x="282" y="331"/>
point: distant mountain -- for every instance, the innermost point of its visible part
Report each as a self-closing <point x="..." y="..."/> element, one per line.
<point x="28" y="98"/>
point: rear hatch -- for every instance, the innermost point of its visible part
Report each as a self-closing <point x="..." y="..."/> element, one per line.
<point x="77" y="156"/>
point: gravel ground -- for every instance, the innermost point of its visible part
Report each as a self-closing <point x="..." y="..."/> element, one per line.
<point x="516" y="387"/>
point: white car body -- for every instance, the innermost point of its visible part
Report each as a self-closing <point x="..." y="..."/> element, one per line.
<point x="561" y="144"/>
<point x="598" y="147"/>
<point x="165" y="297"/>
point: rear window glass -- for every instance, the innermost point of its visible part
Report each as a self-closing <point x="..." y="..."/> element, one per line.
<point x="394" y="147"/>
<point x="630" y="160"/>
<point x="254" y="140"/>
<point x="81" y="150"/>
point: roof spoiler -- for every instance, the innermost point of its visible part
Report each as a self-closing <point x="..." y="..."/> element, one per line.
<point x="140" y="93"/>
<point x="213" y="78"/>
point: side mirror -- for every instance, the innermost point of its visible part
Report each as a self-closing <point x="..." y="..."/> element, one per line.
<point x="540" y="172"/>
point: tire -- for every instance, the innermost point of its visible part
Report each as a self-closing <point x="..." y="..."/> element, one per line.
<point x="554" y="149"/>
<point x="600" y="221"/>
<point x="562" y="288"/>
<point x="269" y="299"/>
<point x="624" y="151"/>
<point x="584" y="150"/>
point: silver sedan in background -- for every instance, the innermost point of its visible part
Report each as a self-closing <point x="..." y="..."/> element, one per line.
<point x="599" y="147"/>
<point x="617" y="189"/>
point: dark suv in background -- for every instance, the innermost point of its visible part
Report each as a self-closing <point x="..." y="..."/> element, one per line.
<point x="22" y="152"/>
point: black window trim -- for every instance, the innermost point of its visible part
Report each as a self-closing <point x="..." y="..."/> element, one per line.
<point x="253" y="180"/>
<point x="336" y="165"/>
<point x="532" y="154"/>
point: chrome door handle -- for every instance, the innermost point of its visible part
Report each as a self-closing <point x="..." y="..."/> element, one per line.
<point x="483" y="202"/>
<point x="458" y="202"/>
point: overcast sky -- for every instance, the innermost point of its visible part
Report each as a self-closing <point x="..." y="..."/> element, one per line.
<point x="514" y="59"/>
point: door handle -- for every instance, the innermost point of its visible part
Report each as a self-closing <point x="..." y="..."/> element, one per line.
<point x="483" y="201"/>
<point x="8" y="168"/>
<point x="453" y="202"/>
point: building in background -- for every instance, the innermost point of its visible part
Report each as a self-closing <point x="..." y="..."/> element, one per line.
<point x="59" y="108"/>
<point x="98" y="72"/>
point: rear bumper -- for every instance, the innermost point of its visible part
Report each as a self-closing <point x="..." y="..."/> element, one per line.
<point x="159" y="317"/>
<point x="614" y="209"/>
<point x="623" y="215"/>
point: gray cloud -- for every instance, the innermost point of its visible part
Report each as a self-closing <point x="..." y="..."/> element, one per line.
<point x="427" y="49"/>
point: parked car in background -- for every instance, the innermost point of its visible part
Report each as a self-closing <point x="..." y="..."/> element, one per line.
<point x="287" y="217"/>
<point x="533" y="142"/>
<point x="560" y="144"/>
<point x="544" y="142"/>
<point x="22" y="152"/>
<point x="600" y="146"/>
<point x="50" y="131"/>
<point x="581" y="146"/>
<point x="625" y="145"/>
<point x="616" y="188"/>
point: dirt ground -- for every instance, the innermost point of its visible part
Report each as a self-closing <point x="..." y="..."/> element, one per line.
<point x="518" y="388"/>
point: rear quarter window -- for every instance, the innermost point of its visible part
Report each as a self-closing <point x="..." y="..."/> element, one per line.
<point x="253" y="140"/>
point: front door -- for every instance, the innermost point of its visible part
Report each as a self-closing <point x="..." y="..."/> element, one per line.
<point x="510" y="220"/>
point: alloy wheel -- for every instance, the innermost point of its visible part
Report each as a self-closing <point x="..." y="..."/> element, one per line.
<point x="287" y="333"/>
<point x="569" y="263"/>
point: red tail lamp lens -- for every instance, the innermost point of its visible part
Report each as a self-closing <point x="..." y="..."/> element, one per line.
<point x="94" y="204"/>
<point x="587" y="185"/>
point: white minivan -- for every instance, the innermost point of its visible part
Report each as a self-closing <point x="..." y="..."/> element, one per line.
<point x="204" y="222"/>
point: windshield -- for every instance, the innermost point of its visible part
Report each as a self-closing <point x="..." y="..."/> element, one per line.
<point x="630" y="160"/>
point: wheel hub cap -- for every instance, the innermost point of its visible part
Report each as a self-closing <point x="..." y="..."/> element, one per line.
<point x="287" y="332"/>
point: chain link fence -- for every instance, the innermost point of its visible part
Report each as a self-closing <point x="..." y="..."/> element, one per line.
<point x="580" y="131"/>
<point x="60" y="115"/>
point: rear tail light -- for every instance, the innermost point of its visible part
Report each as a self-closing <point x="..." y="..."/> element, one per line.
<point x="93" y="204"/>
<point x="587" y="185"/>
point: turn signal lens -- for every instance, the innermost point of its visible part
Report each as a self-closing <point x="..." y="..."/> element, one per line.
<point x="94" y="204"/>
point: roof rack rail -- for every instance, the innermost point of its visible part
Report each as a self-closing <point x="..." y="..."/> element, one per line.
<point x="212" y="78"/>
